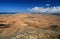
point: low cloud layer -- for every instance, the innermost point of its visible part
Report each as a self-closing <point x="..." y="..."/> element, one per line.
<point x="45" y="10"/>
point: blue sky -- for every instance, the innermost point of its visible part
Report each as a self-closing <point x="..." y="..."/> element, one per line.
<point x="26" y="5"/>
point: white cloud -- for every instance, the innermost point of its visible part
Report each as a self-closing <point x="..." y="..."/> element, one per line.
<point x="45" y="10"/>
<point x="47" y="4"/>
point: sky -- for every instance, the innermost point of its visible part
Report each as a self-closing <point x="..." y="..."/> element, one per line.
<point x="49" y="6"/>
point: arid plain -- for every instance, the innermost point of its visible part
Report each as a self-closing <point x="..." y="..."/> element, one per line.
<point x="29" y="26"/>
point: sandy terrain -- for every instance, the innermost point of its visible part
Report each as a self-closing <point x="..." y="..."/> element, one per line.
<point x="29" y="26"/>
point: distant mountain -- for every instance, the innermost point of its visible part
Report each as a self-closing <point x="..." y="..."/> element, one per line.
<point x="56" y="14"/>
<point x="46" y="13"/>
<point x="8" y="12"/>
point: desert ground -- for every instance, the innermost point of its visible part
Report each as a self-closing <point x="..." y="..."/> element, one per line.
<point x="29" y="26"/>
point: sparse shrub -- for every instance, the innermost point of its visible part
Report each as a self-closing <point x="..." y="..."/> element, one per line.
<point x="7" y="26"/>
<point x="58" y="36"/>
<point x="4" y="25"/>
<point x="54" y="33"/>
<point x="30" y="17"/>
<point x="54" y="27"/>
